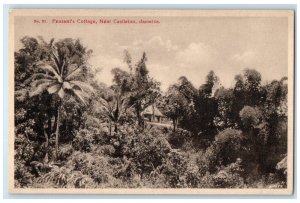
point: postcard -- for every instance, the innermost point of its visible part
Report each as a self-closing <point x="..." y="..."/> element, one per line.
<point x="121" y="101"/>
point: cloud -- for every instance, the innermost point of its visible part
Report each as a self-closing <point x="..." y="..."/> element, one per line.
<point x="156" y="47"/>
<point x="163" y="73"/>
<point x="106" y="63"/>
<point x="244" y="57"/>
<point x="196" y="55"/>
<point x="155" y="42"/>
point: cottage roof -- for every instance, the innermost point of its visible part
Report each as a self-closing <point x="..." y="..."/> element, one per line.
<point x="149" y="111"/>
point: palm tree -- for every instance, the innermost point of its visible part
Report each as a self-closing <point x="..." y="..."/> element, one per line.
<point x="114" y="108"/>
<point x="59" y="76"/>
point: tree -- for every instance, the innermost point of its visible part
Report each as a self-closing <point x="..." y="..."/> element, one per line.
<point x="174" y="105"/>
<point x="229" y="144"/>
<point x="273" y="132"/>
<point x="212" y="81"/>
<point x="140" y="89"/>
<point x="248" y="91"/>
<point x="224" y="98"/>
<point x="186" y="94"/>
<point x="206" y="108"/>
<point x="114" y="108"/>
<point x="250" y="117"/>
<point x="61" y="74"/>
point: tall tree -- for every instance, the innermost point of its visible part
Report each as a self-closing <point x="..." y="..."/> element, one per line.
<point x="114" y="107"/>
<point x="137" y="85"/>
<point x="224" y="98"/>
<point x="175" y="105"/>
<point x="60" y="74"/>
<point x="206" y="108"/>
<point x="247" y="92"/>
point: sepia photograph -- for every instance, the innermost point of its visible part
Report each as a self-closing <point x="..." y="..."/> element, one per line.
<point x="151" y="101"/>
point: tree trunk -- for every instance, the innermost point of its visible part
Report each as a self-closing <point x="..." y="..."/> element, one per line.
<point x="49" y="128"/>
<point x="140" y="121"/>
<point x="116" y="127"/>
<point x="57" y="132"/>
<point x="55" y="121"/>
<point x="175" y="121"/>
<point x="174" y="125"/>
<point x="153" y="113"/>
<point x="109" y="128"/>
<point x="45" y="160"/>
<point x="139" y="117"/>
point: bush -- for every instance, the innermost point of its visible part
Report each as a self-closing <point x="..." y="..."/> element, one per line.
<point x="174" y="168"/>
<point x="229" y="146"/>
<point x="65" y="151"/>
<point x="22" y="175"/>
<point x="250" y="116"/>
<point x="149" y="151"/>
<point x="229" y="177"/>
<point x="105" y="150"/>
<point x="65" y="178"/>
<point x="83" y="140"/>
<point x="179" y="138"/>
<point x="97" y="167"/>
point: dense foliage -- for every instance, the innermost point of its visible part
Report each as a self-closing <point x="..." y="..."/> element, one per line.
<point x="74" y="132"/>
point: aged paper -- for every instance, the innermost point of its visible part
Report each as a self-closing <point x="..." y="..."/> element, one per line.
<point x="151" y="101"/>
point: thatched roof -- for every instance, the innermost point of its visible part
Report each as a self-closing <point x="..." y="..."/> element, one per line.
<point x="149" y="111"/>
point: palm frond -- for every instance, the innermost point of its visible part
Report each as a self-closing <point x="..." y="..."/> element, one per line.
<point x="41" y="76"/>
<point x="40" y="81"/>
<point x="46" y="67"/>
<point x="61" y="93"/>
<point x="82" y="85"/>
<point x="40" y="88"/>
<point x="54" y="88"/>
<point x="55" y="58"/>
<point x="74" y="73"/>
<point x="79" y="95"/>
<point x="67" y="85"/>
<point x="54" y="64"/>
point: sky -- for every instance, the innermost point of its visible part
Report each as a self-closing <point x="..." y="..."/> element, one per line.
<point x="178" y="46"/>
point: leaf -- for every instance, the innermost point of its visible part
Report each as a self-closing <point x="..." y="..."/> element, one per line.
<point x="20" y="95"/>
<point x="74" y="73"/>
<point x="66" y="85"/>
<point x="42" y="76"/>
<point x="61" y="93"/>
<point x="80" y="96"/>
<point x="39" y="89"/>
<point x="54" y="88"/>
<point x="49" y="68"/>
<point x="82" y="85"/>
<point x="40" y="81"/>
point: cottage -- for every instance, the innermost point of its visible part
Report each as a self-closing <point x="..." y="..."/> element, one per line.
<point x="152" y="114"/>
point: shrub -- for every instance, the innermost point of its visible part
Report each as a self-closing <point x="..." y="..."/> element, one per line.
<point x="192" y="176"/>
<point x="22" y="175"/>
<point x="174" y="168"/>
<point x="57" y="176"/>
<point x="229" y="177"/>
<point x="229" y="145"/>
<point x="149" y="151"/>
<point x="83" y="140"/>
<point x="65" y="178"/>
<point x="105" y="150"/>
<point x="97" y="167"/>
<point x="250" y="116"/>
<point x="65" y="152"/>
<point x="79" y="180"/>
<point x="24" y="149"/>
<point x="179" y="138"/>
